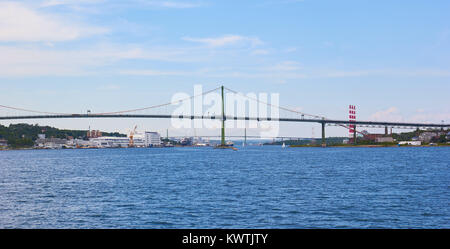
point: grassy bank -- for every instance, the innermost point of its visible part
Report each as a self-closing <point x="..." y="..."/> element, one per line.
<point x="368" y="146"/>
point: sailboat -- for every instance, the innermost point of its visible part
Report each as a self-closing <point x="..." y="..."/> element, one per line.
<point x="283" y="146"/>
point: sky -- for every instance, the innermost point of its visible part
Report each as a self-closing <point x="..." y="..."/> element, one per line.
<point x="389" y="58"/>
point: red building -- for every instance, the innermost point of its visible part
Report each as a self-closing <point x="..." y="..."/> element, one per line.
<point x="94" y="134"/>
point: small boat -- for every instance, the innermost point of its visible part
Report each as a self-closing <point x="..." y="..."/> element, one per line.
<point x="227" y="145"/>
<point x="219" y="146"/>
<point x="283" y="146"/>
<point x="186" y="141"/>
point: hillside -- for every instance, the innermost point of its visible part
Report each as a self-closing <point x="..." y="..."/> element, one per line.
<point x="24" y="135"/>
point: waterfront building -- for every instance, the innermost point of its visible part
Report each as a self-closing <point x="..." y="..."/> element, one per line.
<point x="384" y="140"/>
<point x="79" y="143"/>
<point x="152" y="139"/>
<point x="372" y="137"/>
<point x="186" y="141"/>
<point x="3" y="143"/>
<point x="378" y="138"/>
<point x="51" y="143"/>
<point x="414" y="143"/>
<point x="139" y="140"/>
<point x="94" y="134"/>
<point x="148" y="139"/>
<point x="427" y="136"/>
<point x="110" y="142"/>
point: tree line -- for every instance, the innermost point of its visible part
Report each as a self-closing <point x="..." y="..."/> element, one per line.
<point x="24" y="135"/>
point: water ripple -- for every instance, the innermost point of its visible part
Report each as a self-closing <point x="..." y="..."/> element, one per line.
<point x="255" y="187"/>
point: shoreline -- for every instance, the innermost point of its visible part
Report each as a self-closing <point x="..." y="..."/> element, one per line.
<point x="294" y="146"/>
<point x="367" y="146"/>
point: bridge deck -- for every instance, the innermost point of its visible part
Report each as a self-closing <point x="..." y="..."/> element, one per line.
<point x="321" y="121"/>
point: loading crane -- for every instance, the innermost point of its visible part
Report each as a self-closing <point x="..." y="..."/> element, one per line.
<point x="131" y="143"/>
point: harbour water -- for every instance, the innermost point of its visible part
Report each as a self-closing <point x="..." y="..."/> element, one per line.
<point x="254" y="187"/>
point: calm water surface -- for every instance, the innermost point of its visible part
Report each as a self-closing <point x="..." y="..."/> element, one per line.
<point x="255" y="187"/>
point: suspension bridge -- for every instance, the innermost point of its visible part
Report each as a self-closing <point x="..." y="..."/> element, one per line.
<point x="295" y="116"/>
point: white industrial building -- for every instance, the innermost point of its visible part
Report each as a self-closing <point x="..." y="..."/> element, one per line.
<point x="152" y="139"/>
<point x="3" y="143"/>
<point x="148" y="139"/>
<point x="78" y="143"/>
<point x="384" y="140"/>
<point x="110" y="142"/>
<point x="139" y="140"/>
<point x="51" y="143"/>
<point x="427" y="136"/>
<point x="413" y="143"/>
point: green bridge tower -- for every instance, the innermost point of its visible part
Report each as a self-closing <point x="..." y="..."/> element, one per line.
<point x="222" y="143"/>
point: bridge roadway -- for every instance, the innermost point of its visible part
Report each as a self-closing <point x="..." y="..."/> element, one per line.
<point x="320" y="121"/>
<point x="323" y="122"/>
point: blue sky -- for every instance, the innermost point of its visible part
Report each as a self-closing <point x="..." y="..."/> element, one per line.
<point x="390" y="58"/>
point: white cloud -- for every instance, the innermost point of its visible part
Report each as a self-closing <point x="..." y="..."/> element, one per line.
<point x="393" y="114"/>
<point x="179" y="5"/>
<point x="420" y="110"/>
<point x="328" y="44"/>
<point x="110" y="87"/>
<point x="170" y="4"/>
<point x="431" y="117"/>
<point x="421" y="73"/>
<point x="226" y="40"/>
<point x="260" y="52"/>
<point x="149" y="72"/>
<point x="286" y="66"/>
<point x="77" y="4"/>
<point x="342" y="74"/>
<point x="279" y="77"/>
<point x="50" y="3"/>
<point x="390" y="114"/>
<point x="290" y="50"/>
<point x="19" y="22"/>
<point x="277" y="2"/>
<point x="333" y="73"/>
<point x="16" y="61"/>
<point x="279" y="81"/>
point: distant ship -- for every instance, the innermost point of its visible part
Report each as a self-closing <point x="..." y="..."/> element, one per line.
<point x="168" y="145"/>
<point x="186" y="141"/>
<point x="228" y="144"/>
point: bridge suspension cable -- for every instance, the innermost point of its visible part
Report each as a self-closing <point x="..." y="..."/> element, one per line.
<point x="284" y="108"/>
<point x="111" y="113"/>
<point x="175" y="102"/>
<point x="33" y="111"/>
<point x="316" y="118"/>
<point x="160" y="105"/>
